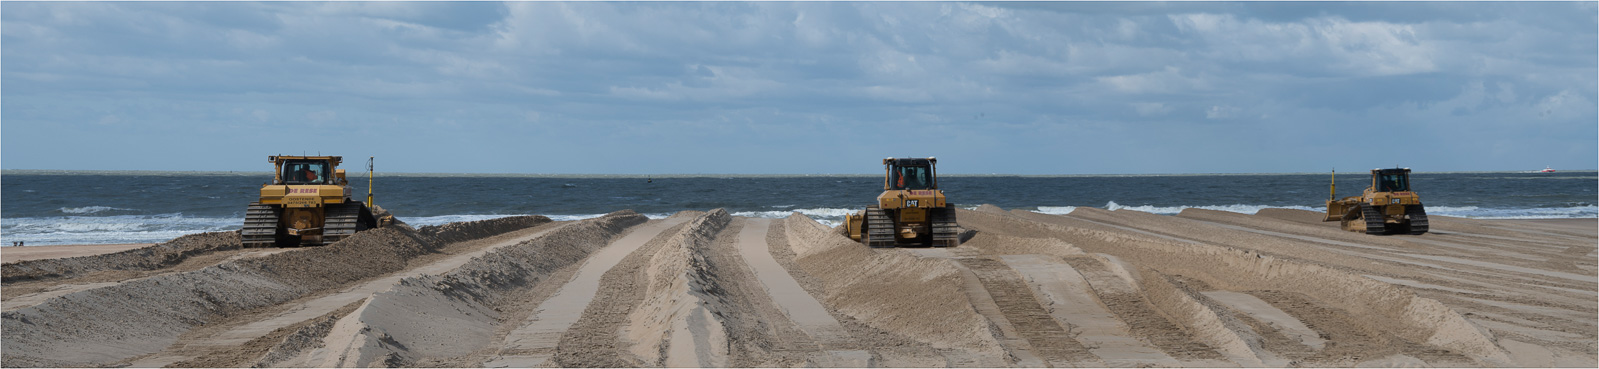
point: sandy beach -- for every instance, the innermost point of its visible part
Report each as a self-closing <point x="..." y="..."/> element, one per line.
<point x="1094" y="287"/>
<point x="15" y="254"/>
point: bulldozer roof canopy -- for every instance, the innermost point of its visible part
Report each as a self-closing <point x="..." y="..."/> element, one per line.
<point x="903" y="162"/>
<point x="277" y="158"/>
<point x="1391" y="171"/>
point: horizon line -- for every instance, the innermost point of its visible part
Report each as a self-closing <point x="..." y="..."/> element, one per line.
<point x="678" y="175"/>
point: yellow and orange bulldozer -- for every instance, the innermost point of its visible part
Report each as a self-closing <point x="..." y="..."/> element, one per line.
<point x="911" y="211"/>
<point x="307" y="204"/>
<point x="1388" y="206"/>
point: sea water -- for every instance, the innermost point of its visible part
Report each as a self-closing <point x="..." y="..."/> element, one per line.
<point x="57" y="207"/>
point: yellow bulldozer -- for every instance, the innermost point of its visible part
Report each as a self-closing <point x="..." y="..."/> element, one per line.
<point x="307" y="204"/>
<point x="911" y="211"/>
<point x="1388" y="206"/>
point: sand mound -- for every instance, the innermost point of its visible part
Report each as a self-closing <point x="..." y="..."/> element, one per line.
<point x="680" y="324"/>
<point x="454" y="314"/>
<point x="891" y="290"/>
<point x="466" y="231"/>
<point x="1388" y="308"/>
<point x="151" y="257"/>
<point x="109" y="324"/>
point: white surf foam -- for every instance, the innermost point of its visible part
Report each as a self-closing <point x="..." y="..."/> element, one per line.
<point x="1174" y="210"/>
<point x="1056" y="210"/>
<point x="89" y="209"/>
<point x="73" y="230"/>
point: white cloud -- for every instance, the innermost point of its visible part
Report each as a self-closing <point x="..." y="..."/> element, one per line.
<point x="985" y="72"/>
<point x="1330" y="43"/>
<point x="1222" y="112"/>
<point x="1167" y="80"/>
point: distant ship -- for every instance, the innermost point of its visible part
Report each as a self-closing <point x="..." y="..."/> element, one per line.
<point x="1546" y="169"/>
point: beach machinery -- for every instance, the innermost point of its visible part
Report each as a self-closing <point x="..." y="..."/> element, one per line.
<point x="307" y="203"/>
<point x="1387" y="206"/>
<point x="911" y="211"/>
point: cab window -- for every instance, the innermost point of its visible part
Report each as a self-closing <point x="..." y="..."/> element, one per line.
<point x="912" y="178"/>
<point x="305" y="172"/>
<point x="1392" y="183"/>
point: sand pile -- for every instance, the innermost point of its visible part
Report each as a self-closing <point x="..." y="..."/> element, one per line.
<point x="679" y="322"/>
<point x="430" y="318"/>
<point x="152" y="257"/>
<point x="1392" y="310"/>
<point x="105" y="325"/>
<point x="467" y="231"/>
<point x="919" y="299"/>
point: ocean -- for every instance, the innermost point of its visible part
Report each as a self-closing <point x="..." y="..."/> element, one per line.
<point x="61" y="207"/>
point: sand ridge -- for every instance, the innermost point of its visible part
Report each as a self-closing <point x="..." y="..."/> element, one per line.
<point x="703" y="288"/>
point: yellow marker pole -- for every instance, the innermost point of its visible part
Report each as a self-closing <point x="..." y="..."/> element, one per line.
<point x="369" y="181"/>
<point x="1332" y="194"/>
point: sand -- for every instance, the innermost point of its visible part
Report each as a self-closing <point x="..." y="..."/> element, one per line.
<point x="14" y="254"/>
<point x="705" y="289"/>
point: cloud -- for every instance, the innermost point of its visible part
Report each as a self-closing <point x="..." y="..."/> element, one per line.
<point x="1332" y="44"/>
<point x="673" y="81"/>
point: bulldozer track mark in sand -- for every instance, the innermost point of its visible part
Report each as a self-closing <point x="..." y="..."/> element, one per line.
<point x="533" y="343"/>
<point x="1480" y="277"/>
<point x="1015" y="300"/>
<point x="593" y="340"/>
<point x="795" y="303"/>
<point x="272" y="348"/>
<point x="1069" y="297"/>
<point x="1386" y="307"/>
<point x="1128" y="301"/>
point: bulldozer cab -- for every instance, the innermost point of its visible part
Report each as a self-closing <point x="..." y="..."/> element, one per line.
<point x="910" y="174"/>
<point x="305" y="172"/>
<point x="1391" y="180"/>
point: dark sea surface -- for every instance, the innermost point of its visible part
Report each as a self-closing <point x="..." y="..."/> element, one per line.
<point x="53" y="207"/>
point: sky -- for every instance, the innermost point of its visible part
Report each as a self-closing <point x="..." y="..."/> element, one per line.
<point x="801" y="88"/>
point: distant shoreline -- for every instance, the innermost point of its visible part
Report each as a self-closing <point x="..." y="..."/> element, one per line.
<point x="601" y="176"/>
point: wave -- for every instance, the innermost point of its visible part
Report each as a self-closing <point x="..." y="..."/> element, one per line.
<point x="1589" y="211"/>
<point x="1173" y="210"/>
<point x="91" y="209"/>
<point x="1056" y="210"/>
<point x="1580" y="210"/>
<point x="109" y="229"/>
<point x="73" y="230"/>
<point x="830" y="217"/>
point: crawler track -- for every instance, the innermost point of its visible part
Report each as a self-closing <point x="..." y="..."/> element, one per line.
<point x="260" y="226"/>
